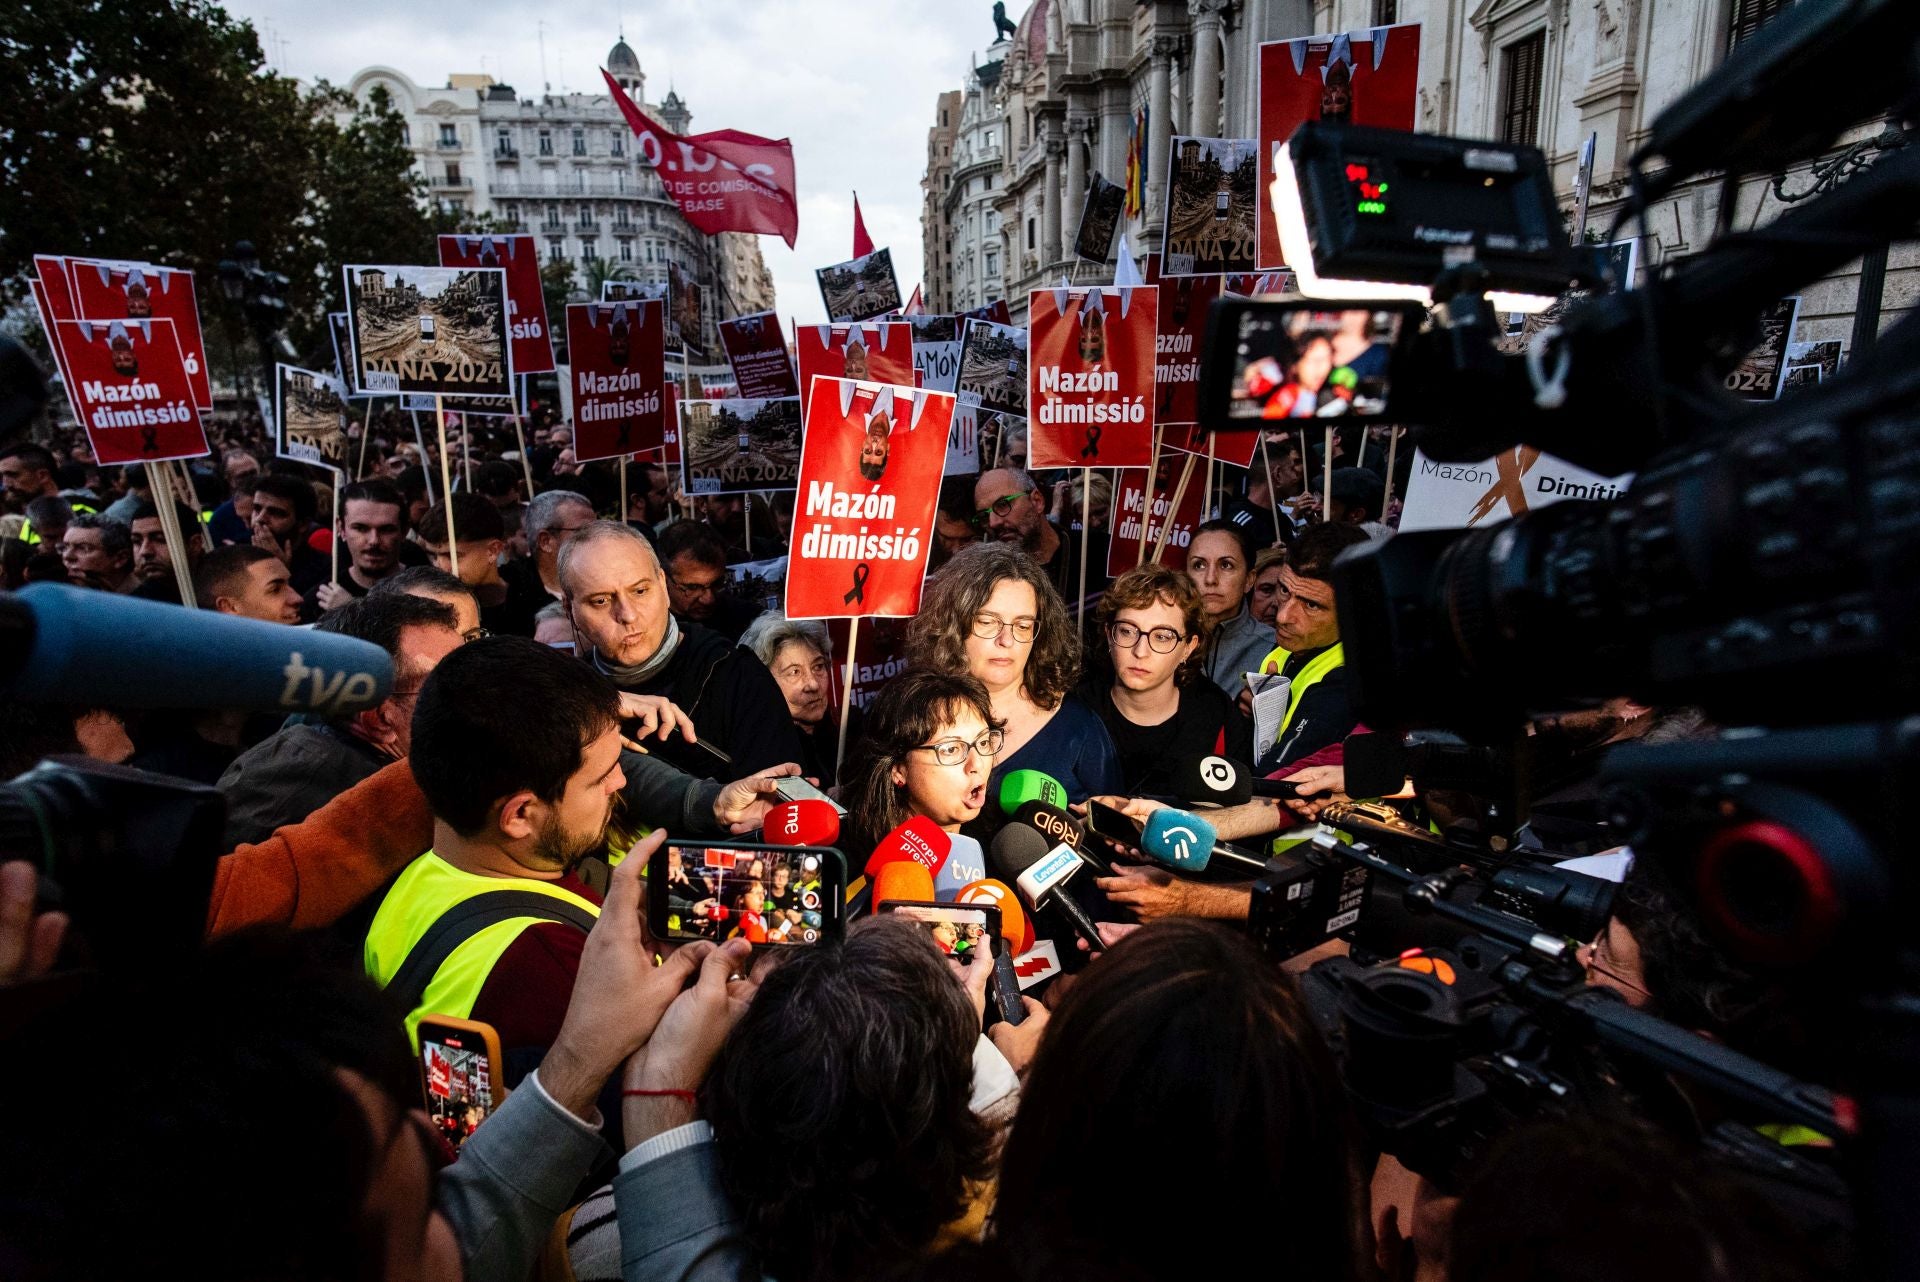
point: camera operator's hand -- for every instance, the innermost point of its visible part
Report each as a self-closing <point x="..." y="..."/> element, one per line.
<point x="29" y="943"/>
<point x="1317" y="779"/>
<point x="675" y="1060"/>
<point x="620" y="995"/>
<point x="653" y="717"/>
<point x="1152" y="893"/>
<point x="743" y="804"/>
<point x="1021" y="1042"/>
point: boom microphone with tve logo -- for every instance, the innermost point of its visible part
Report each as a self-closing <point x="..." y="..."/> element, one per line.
<point x="1021" y="856"/>
<point x="60" y="644"/>
<point x="807" y="822"/>
<point x="1186" y="843"/>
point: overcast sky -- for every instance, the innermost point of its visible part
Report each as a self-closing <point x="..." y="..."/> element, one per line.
<point x="853" y="86"/>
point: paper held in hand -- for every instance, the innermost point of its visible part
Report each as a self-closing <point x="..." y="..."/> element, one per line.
<point x="1270" y="691"/>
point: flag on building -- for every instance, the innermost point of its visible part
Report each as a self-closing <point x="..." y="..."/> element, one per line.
<point x="1137" y="165"/>
<point x="862" y="243"/>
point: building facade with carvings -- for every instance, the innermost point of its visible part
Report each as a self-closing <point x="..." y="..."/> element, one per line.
<point x="564" y="168"/>
<point x="936" y="235"/>
<point x="964" y="206"/>
<point x="1078" y="73"/>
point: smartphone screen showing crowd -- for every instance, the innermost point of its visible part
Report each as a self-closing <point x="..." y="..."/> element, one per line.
<point x="770" y="896"/>
<point x="459" y="1064"/>
<point x="960" y="931"/>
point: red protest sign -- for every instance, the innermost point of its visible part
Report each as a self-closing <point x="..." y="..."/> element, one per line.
<point x="129" y="387"/>
<point x="723" y="181"/>
<point x="618" y="367"/>
<point x="870" y="471"/>
<point x="879" y="655"/>
<point x="1368" y="77"/>
<point x="519" y="257"/>
<point x="1090" y="391"/>
<point x="757" y="351"/>
<point x="1181" y="330"/>
<point x="104" y="291"/>
<point x="1131" y="501"/>
<point x="870" y="351"/>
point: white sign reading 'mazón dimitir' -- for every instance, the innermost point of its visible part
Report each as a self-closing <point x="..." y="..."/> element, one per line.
<point x="1451" y="496"/>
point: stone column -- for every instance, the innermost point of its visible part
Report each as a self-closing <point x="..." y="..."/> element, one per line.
<point x="1159" y="124"/>
<point x="1050" y="196"/>
<point x="1205" y="64"/>
<point x="1076" y="196"/>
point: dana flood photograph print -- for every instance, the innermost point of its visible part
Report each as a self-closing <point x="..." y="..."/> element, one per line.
<point x="438" y="330"/>
<point x="860" y="288"/>
<point x="311" y="413"/>
<point x="1211" y="208"/>
<point x="993" y="366"/>
<point x="738" y="446"/>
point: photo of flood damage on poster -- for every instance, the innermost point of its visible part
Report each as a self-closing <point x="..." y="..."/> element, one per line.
<point x="435" y="330"/>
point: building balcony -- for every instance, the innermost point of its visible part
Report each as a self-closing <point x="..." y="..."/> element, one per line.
<point x="452" y="184"/>
<point x="447" y="144"/>
<point x="587" y="229"/>
<point x="507" y="155"/>
<point x="554" y="227"/>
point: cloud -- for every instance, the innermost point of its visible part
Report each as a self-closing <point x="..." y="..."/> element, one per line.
<point x="854" y="87"/>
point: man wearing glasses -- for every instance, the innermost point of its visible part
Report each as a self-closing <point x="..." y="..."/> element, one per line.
<point x="1010" y="507"/>
<point x="304" y="765"/>
<point x="697" y="579"/>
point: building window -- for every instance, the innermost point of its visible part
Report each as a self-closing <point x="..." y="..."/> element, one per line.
<point x="553" y="212"/>
<point x="993" y="222"/>
<point x="503" y="141"/>
<point x="653" y="218"/>
<point x="453" y="174"/>
<point x="993" y="262"/>
<point x="1386" y="12"/>
<point x="626" y="250"/>
<point x="1029" y="234"/>
<point x="556" y="251"/>
<point x="649" y="251"/>
<point x="589" y="251"/>
<point x="989" y="182"/>
<point x="1749" y="16"/>
<point x="406" y="134"/>
<point x="448" y="138"/>
<point x="1520" y="96"/>
<point x="546" y="142"/>
<point x="619" y="144"/>
<point x="579" y="142"/>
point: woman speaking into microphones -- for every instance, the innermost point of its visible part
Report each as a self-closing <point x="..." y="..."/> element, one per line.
<point x="928" y="750"/>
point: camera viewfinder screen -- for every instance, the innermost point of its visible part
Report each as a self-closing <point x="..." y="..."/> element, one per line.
<point x="1294" y="363"/>
<point x="459" y="1081"/>
<point x="768" y="897"/>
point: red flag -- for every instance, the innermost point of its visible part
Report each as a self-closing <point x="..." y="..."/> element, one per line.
<point x="723" y="181"/>
<point x="915" y="305"/>
<point x="862" y="243"/>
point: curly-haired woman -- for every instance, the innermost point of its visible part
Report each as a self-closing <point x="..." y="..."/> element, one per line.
<point x="992" y="614"/>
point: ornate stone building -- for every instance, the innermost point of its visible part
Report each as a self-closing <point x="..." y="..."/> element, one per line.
<point x="564" y="167"/>
<point x="963" y="207"/>
<point x="1077" y="73"/>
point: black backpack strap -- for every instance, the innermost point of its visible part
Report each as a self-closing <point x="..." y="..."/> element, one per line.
<point x="465" y="920"/>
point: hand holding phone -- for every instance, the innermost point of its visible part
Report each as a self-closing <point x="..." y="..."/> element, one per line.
<point x="771" y="896"/>
<point x="460" y="1069"/>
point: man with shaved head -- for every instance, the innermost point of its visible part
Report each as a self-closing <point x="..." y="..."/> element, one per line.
<point x="616" y="594"/>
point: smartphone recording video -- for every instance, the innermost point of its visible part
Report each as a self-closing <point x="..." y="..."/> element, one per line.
<point x="1292" y="360"/>
<point x="460" y="1060"/>
<point x="771" y="896"/>
<point x="962" y="932"/>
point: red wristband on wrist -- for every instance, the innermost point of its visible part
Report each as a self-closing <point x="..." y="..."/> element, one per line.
<point x="686" y="1096"/>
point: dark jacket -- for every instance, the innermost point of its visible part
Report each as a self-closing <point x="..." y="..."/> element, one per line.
<point x="291" y="774"/>
<point x="735" y="703"/>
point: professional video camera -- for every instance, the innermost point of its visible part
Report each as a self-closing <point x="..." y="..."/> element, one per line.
<point x="1760" y="565"/>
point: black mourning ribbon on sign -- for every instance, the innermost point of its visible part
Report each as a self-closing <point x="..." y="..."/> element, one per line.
<point x="626" y="434"/>
<point x="149" y="440"/>
<point x="1092" y="449"/>
<point x="859" y="593"/>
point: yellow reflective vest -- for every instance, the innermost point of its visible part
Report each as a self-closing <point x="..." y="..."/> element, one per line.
<point x="426" y="892"/>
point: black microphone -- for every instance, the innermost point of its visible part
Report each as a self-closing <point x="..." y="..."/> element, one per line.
<point x="1060" y="828"/>
<point x="1218" y="781"/>
<point x="1020" y="855"/>
<point x="61" y="644"/>
<point x="1377" y="764"/>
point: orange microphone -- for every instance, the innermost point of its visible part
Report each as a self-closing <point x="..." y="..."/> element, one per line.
<point x="902" y="881"/>
<point x="1014" y="926"/>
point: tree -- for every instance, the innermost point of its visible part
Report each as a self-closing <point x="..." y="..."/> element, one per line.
<point x="153" y="131"/>
<point x="602" y="270"/>
<point x="556" y="281"/>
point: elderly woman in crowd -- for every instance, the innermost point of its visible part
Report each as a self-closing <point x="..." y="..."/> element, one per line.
<point x="991" y="614"/>
<point x="800" y="656"/>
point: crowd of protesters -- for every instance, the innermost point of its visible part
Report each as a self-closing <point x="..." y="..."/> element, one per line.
<point x="572" y="684"/>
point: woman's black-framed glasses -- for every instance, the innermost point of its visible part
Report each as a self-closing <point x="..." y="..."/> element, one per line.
<point x="1159" y="640"/>
<point x="952" y="752"/>
<point x="989" y="626"/>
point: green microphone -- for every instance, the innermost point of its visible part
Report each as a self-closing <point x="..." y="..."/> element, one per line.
<point x="1022" y="786"/>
